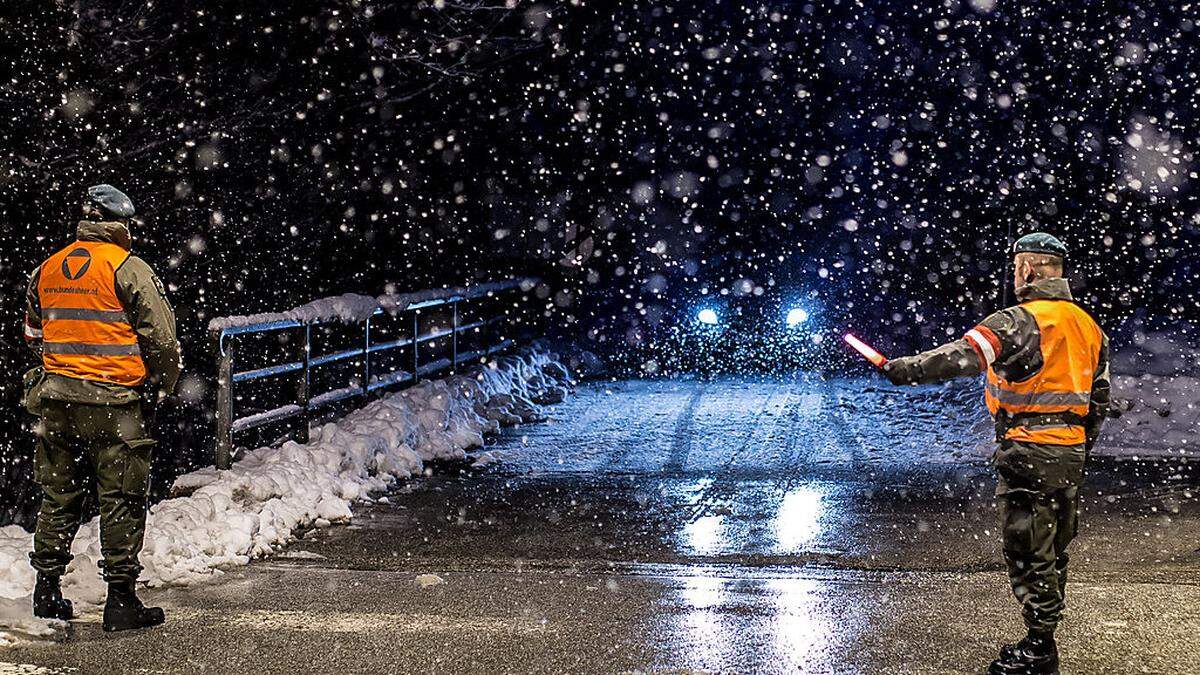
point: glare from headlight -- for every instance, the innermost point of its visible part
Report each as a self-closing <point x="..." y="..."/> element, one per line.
<point x="796" y="316"/>
<point x="707" y="317"/>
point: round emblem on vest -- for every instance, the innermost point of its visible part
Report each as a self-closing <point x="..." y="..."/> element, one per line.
<point x="74" y="258"/>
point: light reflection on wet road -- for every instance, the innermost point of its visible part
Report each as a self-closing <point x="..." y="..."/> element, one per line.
<point x="727" y="526"/>
<point x="749" y="475"/>
<point x="782" y="475"/>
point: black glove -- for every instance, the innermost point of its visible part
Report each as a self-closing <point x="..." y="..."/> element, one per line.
<point x="150" y="398"/>
<point x="900" y="371"/>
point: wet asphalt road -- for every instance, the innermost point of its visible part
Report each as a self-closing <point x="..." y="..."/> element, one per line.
<point x="820" y="526"/>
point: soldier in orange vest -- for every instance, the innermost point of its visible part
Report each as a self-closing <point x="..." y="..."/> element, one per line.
<point x="1047" y="388"/>
<point x="99" y="320"/>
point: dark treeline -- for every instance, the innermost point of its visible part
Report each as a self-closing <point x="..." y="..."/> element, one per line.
<point x="877" y="154"/>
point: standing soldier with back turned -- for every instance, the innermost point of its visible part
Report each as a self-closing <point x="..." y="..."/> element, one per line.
<point x="1047" y="387"/>
<point x="99" y="319"/>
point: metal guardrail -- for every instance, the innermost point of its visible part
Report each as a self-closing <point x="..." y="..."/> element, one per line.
<point x="306" y="402"/>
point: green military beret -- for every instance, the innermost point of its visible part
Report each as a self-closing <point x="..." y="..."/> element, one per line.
<point x="111" y="201"/>
<point x="1040" y="242"/>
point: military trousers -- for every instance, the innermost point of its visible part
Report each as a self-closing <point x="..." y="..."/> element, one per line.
<point x="91" y="451"/>
<point x="1038" y="495"/>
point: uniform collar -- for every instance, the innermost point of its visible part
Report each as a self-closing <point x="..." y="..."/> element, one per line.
<point x="110" y="231"/>
<point x="1045" y="289"/>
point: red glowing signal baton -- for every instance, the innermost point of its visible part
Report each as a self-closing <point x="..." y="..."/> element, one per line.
<point x="866" y="350"/>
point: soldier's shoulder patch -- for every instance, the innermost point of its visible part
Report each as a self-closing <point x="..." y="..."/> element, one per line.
<point x="144" y="270"/>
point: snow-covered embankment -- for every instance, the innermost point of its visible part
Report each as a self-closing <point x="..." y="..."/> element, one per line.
<point x="253" y="509"/>
<point x="1153" y="416"/>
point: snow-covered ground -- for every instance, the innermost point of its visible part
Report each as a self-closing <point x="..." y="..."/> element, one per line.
<point x="256" y="507"/>
<point x="1153" y="415"/>
<point x="1156" y="393"/>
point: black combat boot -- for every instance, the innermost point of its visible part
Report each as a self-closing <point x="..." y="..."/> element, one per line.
<point x="123" y="610"/>
<point x="1034" y="655"/>
<point x="48" y="602"/>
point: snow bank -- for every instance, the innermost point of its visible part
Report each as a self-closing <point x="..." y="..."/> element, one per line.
<point x="255" y="507"/>
<point x="353" y="308"/>
<point x="1153" y="415"/>
<point x="1155" y="391"/>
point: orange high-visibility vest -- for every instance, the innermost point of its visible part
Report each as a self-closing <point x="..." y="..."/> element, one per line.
<point x="85" y="331"/>
<point x="1070" y="345"/>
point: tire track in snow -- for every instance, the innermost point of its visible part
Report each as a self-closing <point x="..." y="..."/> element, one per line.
<point x="589" y="433"/>
<point x="847" y="436"/>
<point x="647" y="431"/>
<point x="800" y="437"/>
<point x="681" y="441"/>
<point x="724" y="484"/>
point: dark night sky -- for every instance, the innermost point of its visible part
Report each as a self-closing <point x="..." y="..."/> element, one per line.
<point x="876" y="154"/>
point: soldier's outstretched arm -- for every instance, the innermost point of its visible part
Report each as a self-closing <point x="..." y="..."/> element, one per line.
<point x="945" y="362"/>
<point x="153" y="319"/>
<point x="1001" y="340"/>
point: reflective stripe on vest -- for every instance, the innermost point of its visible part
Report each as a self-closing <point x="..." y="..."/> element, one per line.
<point x="85" y="331"/>
<point x="85" y="315"/>
<point x="94" y="350"/>
<point x="1040" y="399"/>
<point x="1070" y="349"/>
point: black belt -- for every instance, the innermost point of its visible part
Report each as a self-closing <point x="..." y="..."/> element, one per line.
<point x="1005" y="421"/>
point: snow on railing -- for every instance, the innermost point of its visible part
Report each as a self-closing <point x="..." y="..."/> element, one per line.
<point x="347" y="309"/>
<point x="353" y="308"/>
